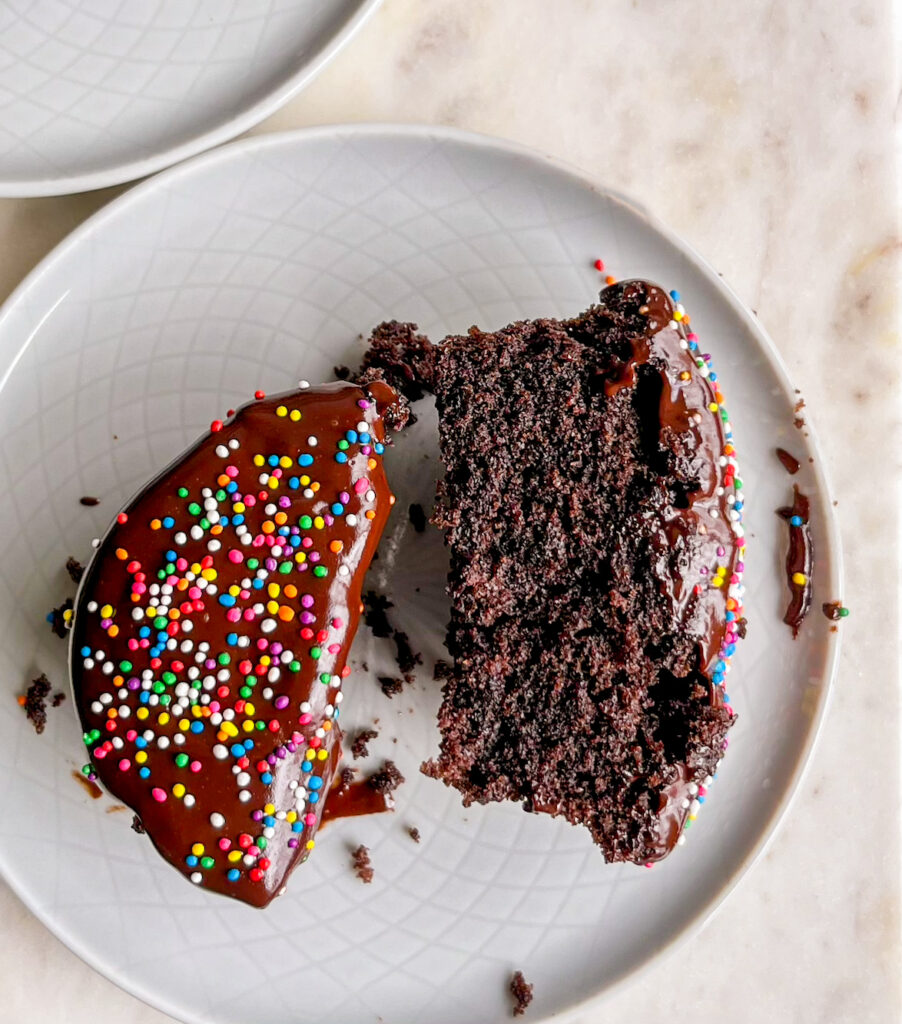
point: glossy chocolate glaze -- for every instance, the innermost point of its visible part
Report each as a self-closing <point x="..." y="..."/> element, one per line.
<point x="261" y="703"/>
<point x="694" y="535"/>
<point x="799" y="559"/>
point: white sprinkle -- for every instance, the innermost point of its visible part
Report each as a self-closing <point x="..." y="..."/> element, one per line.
<point x="303" y="384"/>
<point x="269" y="832"/>
<point x="181" y="689"/>
<point x="163" y="742"/>
<point x="97" y="707"/>
<point x="330" y="711"/>
<point x="286" y="657"/>
<point x="351" y="519"/>
<point x="220" y="752"/>
<point x="118" y="743"/>
<point x="267" y="625"/>
<point x="216" y="717"/>
<point x="196" y="533"/>
<point x="137" y="614"/>
<point x="179" y="538"/>
<point x="339" y="697"/>
<point x="312" y="441"/>
<point x="88" y="663"/>
<point x="305" y="707"/>
<point x="179" y="739"/>
<point x="363" y="427"/>
<point x="106" y="698"/>
<point x="243" y="778"/>
<point x="125" y="711"/>
<point x="336" y="680"/>
<point x="270" y="509"/>
<point x="272" y="676"/>
<point x="244" y="641"/>
<point x="370" y="495"/>
<point x="682" y="840"/>
<point x="196" y="877"/>
<point x="92" y="606"/>
<point x="187" y="625"/>
<point x="263" y="478"/>
<point x="244" y="795"/>
<point x="213" y="545"/>
<point x="223" y="675"/>
<point x="343" y="570"/>
<point x="248" y="859"/>
<point x="228" y="714"/>
<point x="188" y="801"/>
<point x="217" y="820"/>
<point x="234" y="444"/>
<point x="713" y="513"/>
<point x="309" y="492"/>
<point x="280" y="815"/>
<point x="95" y="543"/>
<point x="222" y="451"/>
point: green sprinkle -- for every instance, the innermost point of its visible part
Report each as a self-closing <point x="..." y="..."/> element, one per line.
<point x="285" y="568"/>
<point x="207" y="862"/>
<point x="195" y="509"/>
<point x="325" y="678"/>
<point x="843" y="612"/>
<point x="305" y="522"/>
<point x="343" y="445"/>
<point x="166" y="700"/>
<point x="224" y="659"/>
<point x="315" y="652"/>
<point x="204" y="523"/>
<point x="182" y="492"/>
<point x="158" y="687"/>
<point x="170" y="678"/>
<point x="220" y="495"/>
<point x="125" y="666"/>
<point x="262" y="842"/>
<point x="320" y="571"/>
<point x="259" y="726"/>
<point x="294" y="666"/>
<point x="253" y="563"/>
<point x="245" y="692"/>
<point x="181" y="760"/>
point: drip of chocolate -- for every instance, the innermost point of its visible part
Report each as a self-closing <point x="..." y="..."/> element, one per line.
<point x="789" y="462"/>
<point x="799" y="560"/>
<point x="212" y="629"/>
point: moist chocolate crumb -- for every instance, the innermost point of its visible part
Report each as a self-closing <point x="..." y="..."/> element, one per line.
<point x="341" y="372"/>
<point x="58" y="699"/>
<point x="138" y="826"/>
<point x="414" y="834"/>
<point x="403" y="358"/>
<point x="387" y="779"/>
<point x="742" y="627"/>
<point x="345" y="779"/>
<point x="35" y="702"/>
<point x="405" y="655"/>
<point x="375" y="608"/>
<point x="442" y="670"/>
<point x="417" y="517"/>
<point x="359" y="747"/>
<point x="798" y="423"/>
<point x="362" y="865"/>
<point x="790" y="462"/>
<point x="89" y="500"/>
<point x="522" y="993"/>
<point x="390" y="685"/>
<point x="57" y="619"/>
<point x="75" y="569"/>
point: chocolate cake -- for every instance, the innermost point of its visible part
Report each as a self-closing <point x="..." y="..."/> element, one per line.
<point x="211" y="633"/>
<point x="592" y="506"/>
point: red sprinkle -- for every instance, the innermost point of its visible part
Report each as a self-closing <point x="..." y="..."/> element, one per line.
<point x="122" y="518"/>
<point x="216" y="426"/>
<point x="259" y="394"/>
<point x="599" y="265"/>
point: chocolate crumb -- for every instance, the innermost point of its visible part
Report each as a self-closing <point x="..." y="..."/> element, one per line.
<point x="75" y="569"/>
<point x="414" y="834"/>
<point x="742" y="627"/>
<point x="89" y="500"/>
<point x="58" y="699"/>
<point x="359" y="747"/>
<point x="390" y="685"/>
<point x="341" y="372"/>
<point x="417" y="517"/>
<point x="345" y="779"/>
<point x="387" y="779"/>
<point x="798" y="423"/>
<point x="362" y="865"/>
<point x="364" y="666"/>
<point x="790" y="463"/>
<point x="375" y="607"/>
<point x="442" y="670"/>
<point x="406" y="656"/>
<point x="834" y="629"/>
<point x="800" y="405"/>
<point x="57" y="619"/>
<point x="522" y="993"/>
<point x="138" y="826"/>
<point x="834" y="610"/>
<point x="35" y="702"/>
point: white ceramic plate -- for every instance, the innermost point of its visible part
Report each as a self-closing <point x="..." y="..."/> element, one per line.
<point x="249" y="267"/>
<point x="96" y="92"/>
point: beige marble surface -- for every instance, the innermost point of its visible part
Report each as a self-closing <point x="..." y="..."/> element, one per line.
<point x="763" y="132"/>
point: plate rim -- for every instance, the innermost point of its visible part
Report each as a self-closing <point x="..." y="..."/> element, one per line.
<point x="441" y="133"/>
<point x="224" y="129"/>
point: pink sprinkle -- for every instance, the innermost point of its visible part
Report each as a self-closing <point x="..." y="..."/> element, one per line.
<point x="702" y="791"/>
<point x="214" y="705"/>
<point x="210" y="663"/>
<point x="231" y="471"/>
<point x="307" y="600"/>
<point x="181" y="564"/>
<point x="139" y="588"/>
<point x="105" y="623"/>
<point x="309" y="819"/>
<point x="334" y="649"/>
<point x="344" y="497"/>
<point x="734" y="578"/>
<point x="363" y="403"/>
<point x="250" y="500"/>
<point x="144" y="644"/>
<point x="258" y="541"/>
<point x="262" y="643"/>
<point x="692" y="337"/>
<point x="305" y="719"/>
<point x="361" y="485"/>
<point x="721" y="551"/>
<point x="159" y="795"/>
<point x="131" y="735"/>
<point x="236" y="556"/>
<point x="307" y="542"/>
<point x="254" y="851"/>
<point x="296" y="737"/>
<point x="124" y="764"/>
<point x="277" y="473"/>
<point x="740" y="567"/>
<point x="365" y="449"/>
<point x="225" y="844"/>
<point x="249" y="615"/>
<point x="99" y="752"/>
<point x="307" y="617"/>
<point x="133" y="644"/>
<point x="337" y="623"/>
<point x="234" y="615"/>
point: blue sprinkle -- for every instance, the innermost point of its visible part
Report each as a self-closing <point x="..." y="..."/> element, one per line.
<point x="227" y="601"/>
<point x="257" y="584"/>
<point x="726" y="698"/>
<point x="314" y="797"/>
<point x="197" y="727"/>
<point x="233" y="874"/>
<point x="294" y="483"/>
<point x="273" y="460"/>
<point x="730" y="649"/>
<point x="340" y="457"/>
<point x="248" y="744"/>
<point x="306" y="767"/>
<point x="295" y="542"/>
<point x="693" y="346"/>
<point x="730" y="616"/>
<point x="237" y="750"/>
<point x="162" y="636"/>
<point x="351" y="435"/>
<point x="237" y="520"/>
<point x="738" y="505"/>
<point x="171" y="556"/>
<point x="365" y="438"/>
<point x="380" y="448"/>
<point x="297" y="826"/>
<point x="700" y="799"/>
<point x="144" y="772"/>
<point x="231" y="488"/>
<point x="675" y="296"/>
<point x="284" y="531"/>
<point x="155" y="652"/>
<point x="269" y="821"/>
<point x="266" y="778"/>
<point x="140" y="743"/>
<point x="85" y="652"/>
<point x="305" y="460"/>
<point x="712" y="376"/>
<point x="191" y="860"/>
<point x="720" y="666"/>
<point x="795" y="521"/>
<point x="316" y="782"/>
<point x="338" y="509"/>
<point x="145" y="697"/>
<point x="223" y="520"/>
<point x="231" y="639"/>
<point x="169" y="522"/>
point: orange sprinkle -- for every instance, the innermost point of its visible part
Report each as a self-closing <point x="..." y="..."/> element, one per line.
<point x="174" y="614"/>
<point x="121" y="554"/>
<point x="20" y="701"/>
<point x="370" y="514"/>
<point x="112" y="713"/>
<point x="155" y="524"/>
<point x="326" y="726"/>
<point x="182" y="584"/>
<point x="281" y="518"/>
<point x="136" y="598"/>
<point x="286" y="614"/>
<point x="290" y="590"/>
<point x="731" y="604"/>
<point x="610" y="280"/>
<point x="223" y="480"/>
<point x="371" y="463"/>
<point x="314" y="486"/>
<point x="268" y="526"/>
<point x="336" y="546"/>
<point x="113" y="631"/>
<point x="216" y="530"/>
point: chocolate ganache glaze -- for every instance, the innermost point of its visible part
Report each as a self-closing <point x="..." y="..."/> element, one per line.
<point x="212" y="628"/>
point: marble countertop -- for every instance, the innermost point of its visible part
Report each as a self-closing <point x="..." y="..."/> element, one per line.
<point x="763" y="133"/>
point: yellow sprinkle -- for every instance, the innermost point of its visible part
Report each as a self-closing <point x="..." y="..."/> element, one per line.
<point x="247" y="725"/>
<point x="309" y="756"/>
<point x="272" y="607"/>
<point x="249" y="708"/>
<point x="281" y="411"/>
<point x="184" y="725"/>
<point x="142" y="713"/>
<point x="141" y="756"/>
<point x="295" y="415"/>
<point x="229" y="729"/>
<point x="238" y="506"/>
<point x="717" y="581"/>
<point x="300" y="558"/>
<point x="234" y="590"/>
<point x="712" y="406"/>
<point x="197" y="711"/>
<point x="164" y="718"/>
<point x="197" y="849"/>
<point x="685" y="375"/>
<point x="259" y="460"/>
<point x="265" y="660"/>
<point x="677" y="315"/>
<point x="285" y="462"/>
<point x="209" y="574"/>
<point x="273" y="482"/>
<point x="178" y="790"/>
<point x="305" y="481"/>
<point x="291" y="817"/>
<point x="269" y="809"/>
<point x="799" y="578"/>
<point x="319" y="522"/>
<point x="195" y="567"/>
<point x="106" y="612"/>
<point x="322" y="755"/>
<point x="310" y="844"/>
<point x="273" y="590"/>
<point x="235" y="855"/>
<point x="721" y="570"/>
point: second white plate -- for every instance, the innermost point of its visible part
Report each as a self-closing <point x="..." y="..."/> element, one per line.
<point x="250" y="267"/>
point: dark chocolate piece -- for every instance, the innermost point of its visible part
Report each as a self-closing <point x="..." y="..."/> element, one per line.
<point x="799" y="560"/>
<point x="59" y="621"/>
<point x="359" y="747"/>
<point x="75" y="569"/>
<point x="58" y="699"/>
<point x="390" y="685"/>
<point x="211" y="637"/>
<point x="835" y="610"/>
<point x="386" y="780"/>
<point x="790" y="463"/>
<point x="414" y="834"/>
<point x="418" y="518"/>
<point x="89" y="501"/>
<point x="137" y="826"/>
<point x="35" y="702"/>
<point x="592" y="506"/>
